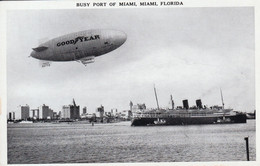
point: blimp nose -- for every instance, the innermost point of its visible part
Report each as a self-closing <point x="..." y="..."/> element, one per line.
<point x="33" y="54"/>
<point x="120" y="38"/>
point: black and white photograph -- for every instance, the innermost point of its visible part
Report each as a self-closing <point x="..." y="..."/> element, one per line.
<point x="143" y="82"/>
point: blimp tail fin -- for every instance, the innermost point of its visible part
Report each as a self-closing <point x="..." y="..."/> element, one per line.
<point x="39" y="49"/>
<point x="44" y="63"/>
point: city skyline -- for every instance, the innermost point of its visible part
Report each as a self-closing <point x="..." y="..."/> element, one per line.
<point x="70" y="111"/>
<point x="190" y="56"/>
<point x="83" y="109"/>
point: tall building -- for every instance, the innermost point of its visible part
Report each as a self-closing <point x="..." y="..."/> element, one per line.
<point x="59" y="114"/>
<point x="13" y="115"/>
<point x="65" y="113"/>
<point x="55" y="115"/>
<point x="101" y="111"/>
<point x="171" y="104"/>
<point x="35" y="113"/>
<point x="50" y="114"/>
<point x="70" y="111"/>
<point x="10" y="116"/>
<point x="130" y="114"/>
<point x="25" y="111"/>
<point x="84" y="110"/>
<point x="131" y="105"/>
<point x="45" y="112"/>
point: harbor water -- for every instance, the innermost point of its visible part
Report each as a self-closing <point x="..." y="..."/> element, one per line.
<point x="119" y="142"/>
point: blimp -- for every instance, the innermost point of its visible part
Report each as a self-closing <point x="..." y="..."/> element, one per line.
<point x="81" y="46"/>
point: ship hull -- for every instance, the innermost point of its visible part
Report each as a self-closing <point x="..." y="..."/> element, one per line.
<point x="241" y="118"/>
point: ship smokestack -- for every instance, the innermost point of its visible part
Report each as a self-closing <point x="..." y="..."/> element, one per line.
<point x="185" y="104"/>
<point x="199" y="104"/>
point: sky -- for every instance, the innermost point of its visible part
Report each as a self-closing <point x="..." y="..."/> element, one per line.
<point x="189" y="53"/>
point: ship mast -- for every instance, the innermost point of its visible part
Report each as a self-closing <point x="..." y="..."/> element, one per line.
<point x="222" y="98"/>
<point x="172" y="103"/>
<point x="156" y="98"/>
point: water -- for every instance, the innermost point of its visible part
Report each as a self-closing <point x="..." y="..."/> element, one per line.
<point x="119" y="142"/>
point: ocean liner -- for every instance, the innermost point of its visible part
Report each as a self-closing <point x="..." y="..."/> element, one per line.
<point x="185" y="115"/>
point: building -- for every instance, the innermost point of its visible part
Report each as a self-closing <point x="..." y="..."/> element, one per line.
<point x="55" y="115"/>
<point x="45" y="112"/>
<point x="25" y="111"/>
<point x="84" y="110"/>
<point x="65" y="113"/>
<point x="126" y="114"/>
<point x="35" y="113"/>
<point x="101" y="111"/>
<point x="50" y="114"/>
<point x="10" y="116"/>
<point x="131" y="105"/>
<point x="85" y="114"/>
<point x="70" y="111"/>
<point x="13" y="115"/>
<point x="113" y="111"/>
<point x="171" y="104"/>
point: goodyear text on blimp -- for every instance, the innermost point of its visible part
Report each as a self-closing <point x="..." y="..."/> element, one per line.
<point x="78" y="39"/>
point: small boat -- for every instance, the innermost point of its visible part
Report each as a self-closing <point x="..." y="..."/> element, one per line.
<point x="26" y="121"/>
